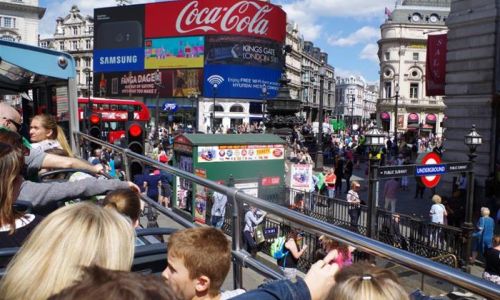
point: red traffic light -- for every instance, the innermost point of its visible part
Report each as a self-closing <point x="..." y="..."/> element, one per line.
<point x="135" y="130"/>
<point x="95" y="119"/>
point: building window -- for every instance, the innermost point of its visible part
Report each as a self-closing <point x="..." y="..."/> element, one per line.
<point x="75" y="30"/>
<point x="88" y="45"/>
<point x="7" y="38"/>
<point x="387" y="55"/>
<point x="414" y="90"/>
<point x="388" y="89"/>
<point x="415" y="55"/>
<point x="7" y="22"/>
<point x="87" y="61"/>
<point x="75" y="45"/>
<point x="61" y="46"/>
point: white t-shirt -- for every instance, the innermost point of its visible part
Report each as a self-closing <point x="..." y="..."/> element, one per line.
<point x="437" y="213"/>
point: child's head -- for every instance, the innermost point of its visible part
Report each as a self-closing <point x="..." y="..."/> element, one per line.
<point x="198" y="261"/>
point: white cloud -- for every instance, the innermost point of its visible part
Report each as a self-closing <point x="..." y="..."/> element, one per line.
<point x="307" y="13"/>
<point x="362" y="35"/>
<point x="56" y="9"/>
<point x="369" y="52"/>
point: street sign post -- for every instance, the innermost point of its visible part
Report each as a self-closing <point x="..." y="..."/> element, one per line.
<point x="431" y="170"/>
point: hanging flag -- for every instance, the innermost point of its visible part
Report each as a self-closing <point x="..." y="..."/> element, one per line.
<point x="388" y="12"/>
<point x="435" y="67"/>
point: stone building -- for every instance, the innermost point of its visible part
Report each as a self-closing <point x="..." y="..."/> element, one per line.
<point x="19" y="20"/>
<point x="402" y="55"/>
<point x="74" y="34"/>
<point x="355" y="100"/>
<point x="473" y="87"/>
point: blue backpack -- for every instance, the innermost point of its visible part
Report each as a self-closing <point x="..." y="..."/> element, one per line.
<point x="278" y="248"/>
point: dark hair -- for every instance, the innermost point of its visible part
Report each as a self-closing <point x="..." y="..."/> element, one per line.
<point x="125" y="201"/>
<point x="102" y="284"/>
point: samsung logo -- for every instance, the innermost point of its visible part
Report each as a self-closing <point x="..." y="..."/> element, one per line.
<point x="118" y="59"/>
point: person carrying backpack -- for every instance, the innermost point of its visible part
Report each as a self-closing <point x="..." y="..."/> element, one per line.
<point x="287" y="253"/>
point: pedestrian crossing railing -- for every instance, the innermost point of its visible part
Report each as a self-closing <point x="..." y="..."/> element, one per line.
<point x="305" y="223"/>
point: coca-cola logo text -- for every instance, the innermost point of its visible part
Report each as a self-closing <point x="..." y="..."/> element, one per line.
<point x="237" y="18"/>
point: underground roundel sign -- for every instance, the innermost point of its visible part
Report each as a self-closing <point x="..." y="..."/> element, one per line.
<point x="430" y="170"/>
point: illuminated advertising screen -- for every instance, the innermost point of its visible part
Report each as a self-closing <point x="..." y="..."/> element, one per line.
<point x="235" y="50"/>
<point x="208" y="17"/>
<point x="174" y="53"/>
<point x="235" y="81"/>
<point x="174" y="83"/>
<point x="119" y="39"/>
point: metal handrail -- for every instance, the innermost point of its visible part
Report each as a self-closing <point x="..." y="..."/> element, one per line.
<point x="404" y="258"/>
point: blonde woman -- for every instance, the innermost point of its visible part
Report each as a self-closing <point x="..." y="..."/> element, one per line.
<point x="46" y="134"/>
<point x="364" y="281"/>
<point x="70" y="238"/>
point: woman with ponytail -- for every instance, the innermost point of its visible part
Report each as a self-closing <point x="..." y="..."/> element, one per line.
<point x="46" y="134"/>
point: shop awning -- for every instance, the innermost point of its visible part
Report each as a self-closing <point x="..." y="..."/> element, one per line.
<point x="430" y="119"/>
<point x="385" y="116"/>
<point x="412" y="118"/>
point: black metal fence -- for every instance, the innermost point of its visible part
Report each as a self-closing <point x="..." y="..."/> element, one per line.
<point x="402" y="231"/>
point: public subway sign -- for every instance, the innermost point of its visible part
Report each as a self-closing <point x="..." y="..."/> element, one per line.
<point x="396" y="171"/>
<point x="207" y="17"/>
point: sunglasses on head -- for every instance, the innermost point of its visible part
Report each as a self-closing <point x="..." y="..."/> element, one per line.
<point x="17" y="125"/>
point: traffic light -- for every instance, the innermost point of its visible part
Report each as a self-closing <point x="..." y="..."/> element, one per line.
<point x="134" y="135"/>
<point x="95" y="128"/>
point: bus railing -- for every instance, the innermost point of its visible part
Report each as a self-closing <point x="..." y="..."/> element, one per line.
<point x="307" y="223"/>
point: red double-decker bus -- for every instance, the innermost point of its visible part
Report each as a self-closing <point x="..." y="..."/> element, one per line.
<point x="113" y="115"/>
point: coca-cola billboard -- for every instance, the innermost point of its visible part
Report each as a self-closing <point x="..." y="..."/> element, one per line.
<point x="208" y="17"/>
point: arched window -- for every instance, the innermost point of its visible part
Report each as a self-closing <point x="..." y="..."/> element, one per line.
<point x="218" y="107"/>
<point x="236" y="108"/>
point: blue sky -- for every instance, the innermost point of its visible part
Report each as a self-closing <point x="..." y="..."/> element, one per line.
<point x="347" y="30"/>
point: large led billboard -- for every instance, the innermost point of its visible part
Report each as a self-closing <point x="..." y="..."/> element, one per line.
<point x="236" y="40"/>
<point x="174" y="53"/>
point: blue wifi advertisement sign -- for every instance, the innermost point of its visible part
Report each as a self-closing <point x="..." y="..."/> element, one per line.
<point x="244" y="82"/>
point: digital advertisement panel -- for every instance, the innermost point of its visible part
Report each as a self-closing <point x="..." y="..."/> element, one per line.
<point x="235" y="50"/>
<point x="120" y="27"/>
<point x="230" y="153"/>
<point x="174" y="83"/>
<point x="174" y="53"/>
<point x="208" y="17"/>
<point x="234" y="81"/>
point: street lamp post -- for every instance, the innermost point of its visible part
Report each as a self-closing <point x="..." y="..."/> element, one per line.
<point x="265" y="93"/>
<point x="213" y="108"/>
<point x="352" y="111"/>
<point x="157" y="83"/>
<point x="194" y="97"/>
<point x="88" y="72"/>
<point x="472" y="140"/>
<point x="396" y="96"/>
<point x="319" y="151"/>
<point x="374" y="140"/>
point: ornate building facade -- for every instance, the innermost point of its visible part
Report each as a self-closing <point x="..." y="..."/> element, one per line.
<point x="74" y="34"/>
<point x="19" y="20"/>
<point x="355" y="100"/>
<point x="402" y="55"/>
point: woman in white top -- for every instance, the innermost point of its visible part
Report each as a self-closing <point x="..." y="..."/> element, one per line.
<point x="46" y="134"/>
<point x="438" y="211"/>
<point x="354" y="204"/>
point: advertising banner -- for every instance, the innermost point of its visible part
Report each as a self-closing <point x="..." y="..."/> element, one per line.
<point x="174" y="53"/>
<point x="174" y="83"/>
<point x="200" y="199"/>
<point x="207" y="17"/>
<point x="232" y="153"/>
<point x="436" y="64"/>
<point x="119" y="27"/>
<point x="300" y="176"/>
<point x="235" y="50"/>
<point x="240" y="81"/>
<point x="115" y="60"/>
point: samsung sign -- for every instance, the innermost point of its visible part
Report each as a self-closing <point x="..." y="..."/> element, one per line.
<point x="119" y="60"/>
